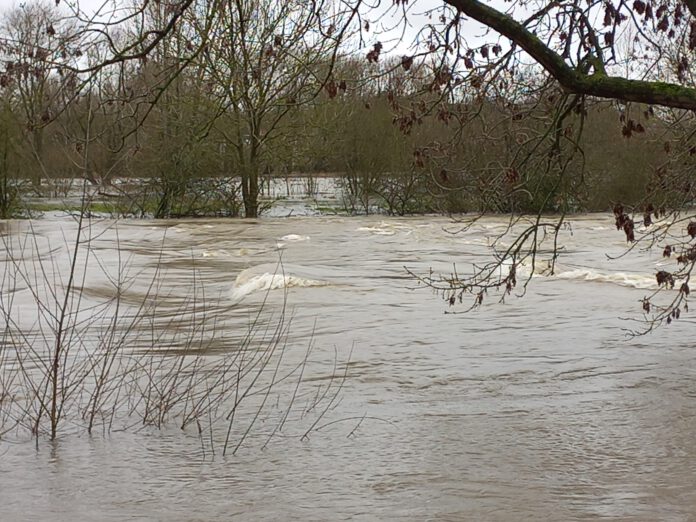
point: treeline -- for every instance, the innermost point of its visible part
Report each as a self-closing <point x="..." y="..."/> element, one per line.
<point x="204" y="138"/>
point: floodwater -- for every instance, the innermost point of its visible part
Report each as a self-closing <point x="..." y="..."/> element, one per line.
<point x="539" y="408"/>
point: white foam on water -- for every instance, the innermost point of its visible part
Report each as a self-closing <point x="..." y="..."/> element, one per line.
<point x="294" y="237"/>
<point x="618" y="278"/>
<point x="542" y="268"/>
<point x="377" y="231"/>
<point x="252" y="280"/>
<point x="387" y="229"/>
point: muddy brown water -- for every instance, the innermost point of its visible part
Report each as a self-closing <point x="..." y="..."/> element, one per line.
<point x="540" y="408"/>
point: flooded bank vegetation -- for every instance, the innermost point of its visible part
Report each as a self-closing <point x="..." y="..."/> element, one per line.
<point x="133" y="354"/>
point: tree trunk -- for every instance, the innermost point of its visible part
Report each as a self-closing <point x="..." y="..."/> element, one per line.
<point x="37" y="137"/>
<point x="251" y="197"/>
<point x="250" y="191"/>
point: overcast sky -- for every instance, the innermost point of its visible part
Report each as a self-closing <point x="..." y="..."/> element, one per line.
<point x="387" y="23"/>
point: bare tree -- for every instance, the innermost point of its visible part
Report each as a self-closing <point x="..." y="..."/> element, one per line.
<point x="35" y="45"/>
<point x="264" y="60"/>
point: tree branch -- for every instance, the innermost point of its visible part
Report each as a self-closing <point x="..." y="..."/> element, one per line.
<point x="600" y="85"/>
<point x="691" y="6"/>
<point x="159" y="35"/>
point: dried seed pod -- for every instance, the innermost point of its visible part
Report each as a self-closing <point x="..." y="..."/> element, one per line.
<point x="664" y="278"/>
<point x="691" y="229"/>
<point x="331" y="89"/>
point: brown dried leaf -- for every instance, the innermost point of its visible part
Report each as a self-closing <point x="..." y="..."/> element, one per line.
<point x="664" y="278"/>
<point x="331" y="89"/>
<point x="691" y="229"/>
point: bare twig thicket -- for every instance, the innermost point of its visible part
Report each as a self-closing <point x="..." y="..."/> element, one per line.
<point x="90" y="343"/>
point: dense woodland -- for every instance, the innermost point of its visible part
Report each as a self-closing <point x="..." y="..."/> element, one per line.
<point x="204" y="138"/>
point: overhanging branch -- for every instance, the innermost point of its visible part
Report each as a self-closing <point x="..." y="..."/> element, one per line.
<point x="129" y="52"/>
<point x="600" y="85"/>
<point x="691" y="6"/>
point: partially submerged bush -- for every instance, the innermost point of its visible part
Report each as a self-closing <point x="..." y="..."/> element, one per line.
<point x="164" y="198"/>
<point x="89" y="343"/>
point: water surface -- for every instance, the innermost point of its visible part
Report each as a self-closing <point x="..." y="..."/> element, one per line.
<point x="539" y="408"/>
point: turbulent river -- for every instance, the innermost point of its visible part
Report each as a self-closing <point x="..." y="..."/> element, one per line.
<point x="538" y="408"/>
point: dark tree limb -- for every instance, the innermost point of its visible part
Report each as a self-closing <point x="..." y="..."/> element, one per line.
<point x="572" y="80"/>
<point x="129" y="54"/>
<point x="691" y="6"/>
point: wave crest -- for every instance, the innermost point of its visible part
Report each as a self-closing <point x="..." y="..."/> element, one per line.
<point x="254" y="280"/>
<point x="619" y="278"/>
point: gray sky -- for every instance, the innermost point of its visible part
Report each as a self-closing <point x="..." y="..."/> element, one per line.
<point x="387" y="22"/>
